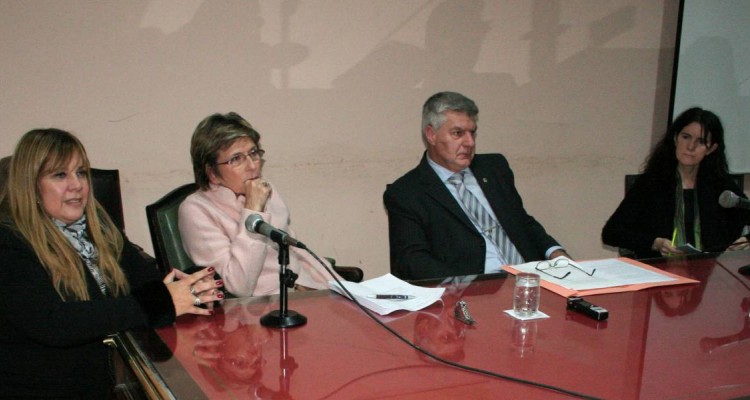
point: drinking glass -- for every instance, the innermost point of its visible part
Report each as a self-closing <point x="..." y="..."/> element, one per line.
<point x="526" y="294"/>
<point x="524" y="336"/>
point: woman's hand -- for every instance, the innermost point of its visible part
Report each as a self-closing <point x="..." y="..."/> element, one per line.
<point x="207" y="345"/>
<point x="664" y="247"/>
<point x="740" y="244"/>
<point x="190" y="291"/>
<point x="257" y="192"/>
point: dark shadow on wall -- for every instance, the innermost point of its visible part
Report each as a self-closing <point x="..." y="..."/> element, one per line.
<point x="143" y="72"/>
<point x="203" y="74"/>
<point x="558" y="91"/>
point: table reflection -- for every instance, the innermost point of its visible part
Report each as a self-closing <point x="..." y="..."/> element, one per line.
<point x="709" y="344"/>
<point x="681" y="300"/>
<point x="439" y="332"/>
<point x="685" y="341"/>
<point x="227" y="350"/>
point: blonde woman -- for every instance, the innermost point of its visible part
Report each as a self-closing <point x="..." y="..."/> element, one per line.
<point x="71" y="278"/>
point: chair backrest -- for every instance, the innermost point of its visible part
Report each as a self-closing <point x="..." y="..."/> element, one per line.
<point x="630" y="180"/>
<point x="165" y="234"/>
<point x="106" y="186"/>
<point x="739" y="179"/>
<point x="4" y="167"/>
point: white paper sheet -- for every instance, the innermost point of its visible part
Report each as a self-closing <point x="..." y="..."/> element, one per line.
<point x="609" y="273"/>
<point x="389" y="284"/>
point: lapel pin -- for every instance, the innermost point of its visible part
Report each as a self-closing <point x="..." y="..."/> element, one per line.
<point x="484" y="180"/>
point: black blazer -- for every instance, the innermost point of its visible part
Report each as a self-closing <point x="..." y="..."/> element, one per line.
<point x="431" y="236"/>
<point x="53" y="349"/>
<point x="647" y="212"/>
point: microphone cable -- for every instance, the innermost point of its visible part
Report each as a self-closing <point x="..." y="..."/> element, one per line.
<point x="438" y="358"/>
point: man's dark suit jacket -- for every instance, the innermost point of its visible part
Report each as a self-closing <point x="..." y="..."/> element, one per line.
<point x="431" y="236"/>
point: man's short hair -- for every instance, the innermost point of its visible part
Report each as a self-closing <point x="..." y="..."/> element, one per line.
<point x="433" y="111"/>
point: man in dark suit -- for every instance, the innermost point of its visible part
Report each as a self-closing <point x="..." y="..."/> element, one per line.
<point x="436" y="228"/>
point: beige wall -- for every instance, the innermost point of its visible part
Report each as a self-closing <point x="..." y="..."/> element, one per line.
<point x="572" y="92"/>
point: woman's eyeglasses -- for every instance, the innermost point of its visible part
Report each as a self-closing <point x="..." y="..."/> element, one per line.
<point x="554" y="269"/>
<point x="255" y="154"/>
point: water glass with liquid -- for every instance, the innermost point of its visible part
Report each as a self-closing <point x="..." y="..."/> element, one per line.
<point x="526" y="294"/>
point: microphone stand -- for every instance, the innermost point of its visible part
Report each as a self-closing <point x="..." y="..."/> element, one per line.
<point x="287" y="365"/>
<point x="284" y="318"/>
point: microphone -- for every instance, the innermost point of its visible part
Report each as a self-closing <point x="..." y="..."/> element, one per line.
<point x="729" y="199"/>
<point x="255" y="223"/>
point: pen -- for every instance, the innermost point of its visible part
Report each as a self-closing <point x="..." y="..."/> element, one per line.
<point x="391" y="296"/>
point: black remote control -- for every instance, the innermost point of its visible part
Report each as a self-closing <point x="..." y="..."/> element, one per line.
<point x="587" y="309"/>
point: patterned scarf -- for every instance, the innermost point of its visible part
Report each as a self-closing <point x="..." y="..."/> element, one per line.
<point x="79" y="238"/>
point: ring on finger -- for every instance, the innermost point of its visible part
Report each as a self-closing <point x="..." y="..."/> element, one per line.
<point x="192" y="290"/>
<point x="197" y="301"/>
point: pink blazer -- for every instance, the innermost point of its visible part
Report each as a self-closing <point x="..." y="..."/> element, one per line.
<point x="212" y="225"/>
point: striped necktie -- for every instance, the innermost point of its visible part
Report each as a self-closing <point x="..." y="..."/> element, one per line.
<point x="489" y="226"/>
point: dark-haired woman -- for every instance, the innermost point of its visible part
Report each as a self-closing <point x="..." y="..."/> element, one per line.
<point x="675" y="201"/>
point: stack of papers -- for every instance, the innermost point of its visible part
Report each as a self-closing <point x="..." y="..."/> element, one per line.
<point x="689" y="249"/>
<point x="609" y="273"/>
<point x="611" y="276"/>
<point x="365" y="292"/>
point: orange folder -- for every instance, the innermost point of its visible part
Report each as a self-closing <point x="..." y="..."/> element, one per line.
<point x="565" y="292"/>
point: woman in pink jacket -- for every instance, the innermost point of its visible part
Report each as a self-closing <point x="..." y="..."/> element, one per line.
<point x="227" y="164"/>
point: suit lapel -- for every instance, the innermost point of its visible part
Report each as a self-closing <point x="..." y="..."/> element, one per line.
<point x="436" y="189"/>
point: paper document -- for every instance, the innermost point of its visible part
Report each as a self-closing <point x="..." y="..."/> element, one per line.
<point x="607" y="273"/>
<point x="622" y="274"/>
<point x="364" y="292"/>
<point x="688" y="249"/>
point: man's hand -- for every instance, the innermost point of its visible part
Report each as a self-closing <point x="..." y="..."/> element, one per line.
<point x="558" y="253"/>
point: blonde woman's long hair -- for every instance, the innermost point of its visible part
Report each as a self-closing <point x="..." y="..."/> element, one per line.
<point x="38" y="153"/>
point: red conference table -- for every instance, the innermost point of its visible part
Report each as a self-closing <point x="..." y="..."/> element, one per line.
<point x="677" y="342"/>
